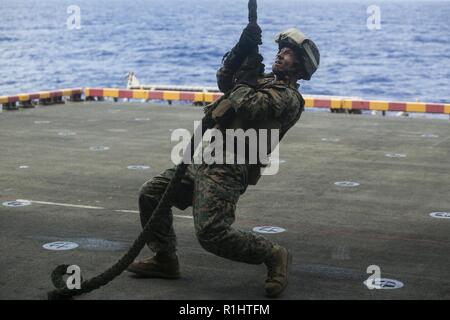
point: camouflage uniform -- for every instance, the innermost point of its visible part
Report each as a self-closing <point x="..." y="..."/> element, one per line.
<point x="213" y="190"/>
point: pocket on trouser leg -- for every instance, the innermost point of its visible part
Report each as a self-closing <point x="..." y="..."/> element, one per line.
<point x="214" y="206"/>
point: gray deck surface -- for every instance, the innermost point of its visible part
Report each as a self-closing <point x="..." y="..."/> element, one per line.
<point x="334" y="232"/>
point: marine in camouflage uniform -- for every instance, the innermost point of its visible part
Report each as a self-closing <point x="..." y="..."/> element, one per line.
<point x="213" y="190"/>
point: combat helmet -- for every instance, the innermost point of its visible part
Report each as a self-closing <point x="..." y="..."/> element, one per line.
<point x="306" y="49"/>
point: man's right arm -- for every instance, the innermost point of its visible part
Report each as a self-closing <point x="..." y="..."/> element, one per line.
<point x="225" y="76"/>
<point x="248" y="43"/>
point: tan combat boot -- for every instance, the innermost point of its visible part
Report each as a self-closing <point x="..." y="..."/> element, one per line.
<point x="277" y="271"/>
<point x="158" y="266"/>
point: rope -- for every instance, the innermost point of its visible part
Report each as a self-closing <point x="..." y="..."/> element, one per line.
<point x="63" y="293"/>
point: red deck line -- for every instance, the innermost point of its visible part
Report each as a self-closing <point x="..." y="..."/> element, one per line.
<point x="157" y="95"/>
<point x="56" y="94"/>
<point x="187" y="96"/>
<point x="13" y="99"/>
<point x="435" y="108"/>
<point x="321" y="103"/>
<point x="396" y="106"/>
<point x="34" y="96"/>
<point x="126" y="94"/>
<point x="361" y="105"/>
<point x="96" y="92"/>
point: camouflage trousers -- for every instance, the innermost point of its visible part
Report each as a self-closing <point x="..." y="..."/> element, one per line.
<point x="212" y="191"/>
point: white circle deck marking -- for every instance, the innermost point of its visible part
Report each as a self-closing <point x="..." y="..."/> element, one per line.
<point x="98" y="148"/>
<point x="41" y="122"/>
<point x="395" y="155"/>
<point x="66" y="133"/>
<point x="268" y="229"/>
<point x="331" y="139"/>
<point x="440" y="215"/>
<point x="60" y="245"/>
<point x="142" y="119"/>
<point x="346" y="184"/>
<point x="430" y="135"/>
<point x="384" y="284"/>
<point x="17" y="203"/>
<point x="138" y="167"/>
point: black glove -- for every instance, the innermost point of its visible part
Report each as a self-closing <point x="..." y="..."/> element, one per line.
<point x="250" y="38"/>
<point x="250" y="70"/>
<point x="248" y="44"/>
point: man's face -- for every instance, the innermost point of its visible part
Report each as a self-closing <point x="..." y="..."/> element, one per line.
<point x="284" y="62"/>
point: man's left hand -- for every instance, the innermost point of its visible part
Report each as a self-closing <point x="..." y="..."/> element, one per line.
<point x="250" y="38"/>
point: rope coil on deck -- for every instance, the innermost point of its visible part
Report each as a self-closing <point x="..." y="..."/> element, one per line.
<point x="63" y="293"/>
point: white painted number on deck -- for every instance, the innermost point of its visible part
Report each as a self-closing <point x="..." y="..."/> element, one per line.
<point x="384" y="284"/>
<point x="98" y="148"/>
<point x="440" y="215"/>
<point x="17" y="203"/>
<point x="138" y="167"/>
<point x="268" y="229"/>
<point x="347" y="184"/>
<point x="60" y="245"/>
<point x="395" y="155"/>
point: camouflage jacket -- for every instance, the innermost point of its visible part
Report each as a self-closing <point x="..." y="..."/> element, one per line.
<point x="265" y="104"/>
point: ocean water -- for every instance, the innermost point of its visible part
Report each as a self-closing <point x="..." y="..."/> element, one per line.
<point x="182" y="42"/>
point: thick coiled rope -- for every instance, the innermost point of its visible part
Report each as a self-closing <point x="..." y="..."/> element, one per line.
<point x="63" y="293"/>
